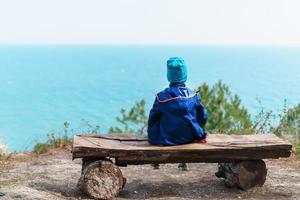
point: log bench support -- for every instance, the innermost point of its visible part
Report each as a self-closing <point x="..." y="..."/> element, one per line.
<point x="243" y="174"/>
<point x="101" y="179"/>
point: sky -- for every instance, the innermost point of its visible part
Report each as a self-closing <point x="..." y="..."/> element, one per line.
<point x="220" y="22"/>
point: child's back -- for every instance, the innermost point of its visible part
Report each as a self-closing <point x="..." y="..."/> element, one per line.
<point x="177" y="116"/>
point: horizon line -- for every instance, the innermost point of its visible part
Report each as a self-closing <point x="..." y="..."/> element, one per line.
<point x="149" y="44"/>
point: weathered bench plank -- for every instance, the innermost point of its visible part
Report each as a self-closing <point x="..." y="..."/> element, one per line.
<point x="219" y="148"/>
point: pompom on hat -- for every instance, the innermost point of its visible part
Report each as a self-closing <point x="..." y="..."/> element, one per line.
<point x="176" y="70"/>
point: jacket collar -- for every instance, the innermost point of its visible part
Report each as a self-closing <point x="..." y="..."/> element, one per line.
<point x="177" y="85"/>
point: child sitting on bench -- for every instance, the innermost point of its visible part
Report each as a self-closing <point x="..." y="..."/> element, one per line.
<point x="178" y="116"/>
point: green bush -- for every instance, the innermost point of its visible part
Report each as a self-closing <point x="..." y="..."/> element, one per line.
<point x="133" y="121"/>
<point x="263" y="121"/>
<point x="289" y="124"/>
<point x="225" y="112"/>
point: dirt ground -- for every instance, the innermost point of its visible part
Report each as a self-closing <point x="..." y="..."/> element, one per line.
<point x="55" y="175"/>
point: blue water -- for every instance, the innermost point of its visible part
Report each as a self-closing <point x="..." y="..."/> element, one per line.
<point x="43" y="86"/>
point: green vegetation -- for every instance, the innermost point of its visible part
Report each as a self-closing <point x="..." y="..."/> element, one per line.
<point x="289" y="123"/>
<point x="289" y="126"/>
<point x="263" y="121"/>
<point x="297" y="149"/>
<point x="63" y="138"/>
<point x="54" y="141"/>
<point x="133" y="121"/>
<point x="285" y="125"/>
<point x="226" y="115"/>
<point x="87" y="128"/>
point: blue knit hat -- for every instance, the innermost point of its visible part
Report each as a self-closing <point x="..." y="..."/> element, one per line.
<point x="176" y="70"/>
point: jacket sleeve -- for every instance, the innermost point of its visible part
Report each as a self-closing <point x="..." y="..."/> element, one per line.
<point x="201" y="113"/>
<point x="154" y="115"/>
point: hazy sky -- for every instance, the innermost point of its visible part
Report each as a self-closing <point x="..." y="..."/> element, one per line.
<point x="150" y="21"/>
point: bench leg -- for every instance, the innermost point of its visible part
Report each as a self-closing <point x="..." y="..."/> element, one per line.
<point x="101" y="180"/>
<point x="243" y="174"/>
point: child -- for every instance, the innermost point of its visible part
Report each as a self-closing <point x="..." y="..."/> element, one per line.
<point x="177" y="116"/>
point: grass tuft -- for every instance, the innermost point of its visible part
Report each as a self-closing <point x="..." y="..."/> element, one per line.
<point x="52" y="142"/>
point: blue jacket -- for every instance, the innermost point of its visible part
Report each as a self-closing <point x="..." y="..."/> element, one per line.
<point x="177" y="117"/>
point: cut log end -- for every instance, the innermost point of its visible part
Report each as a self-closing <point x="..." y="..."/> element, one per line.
<point x="243" y="174"/>
<point x="101" y="180"/>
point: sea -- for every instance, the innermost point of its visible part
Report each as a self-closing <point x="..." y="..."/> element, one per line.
<point x="42" y="86"/>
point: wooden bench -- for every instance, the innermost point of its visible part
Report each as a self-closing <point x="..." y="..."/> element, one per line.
<point x="239" y="157"/>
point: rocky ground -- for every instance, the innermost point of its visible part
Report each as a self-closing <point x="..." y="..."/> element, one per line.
<point x="55" y="175"/>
